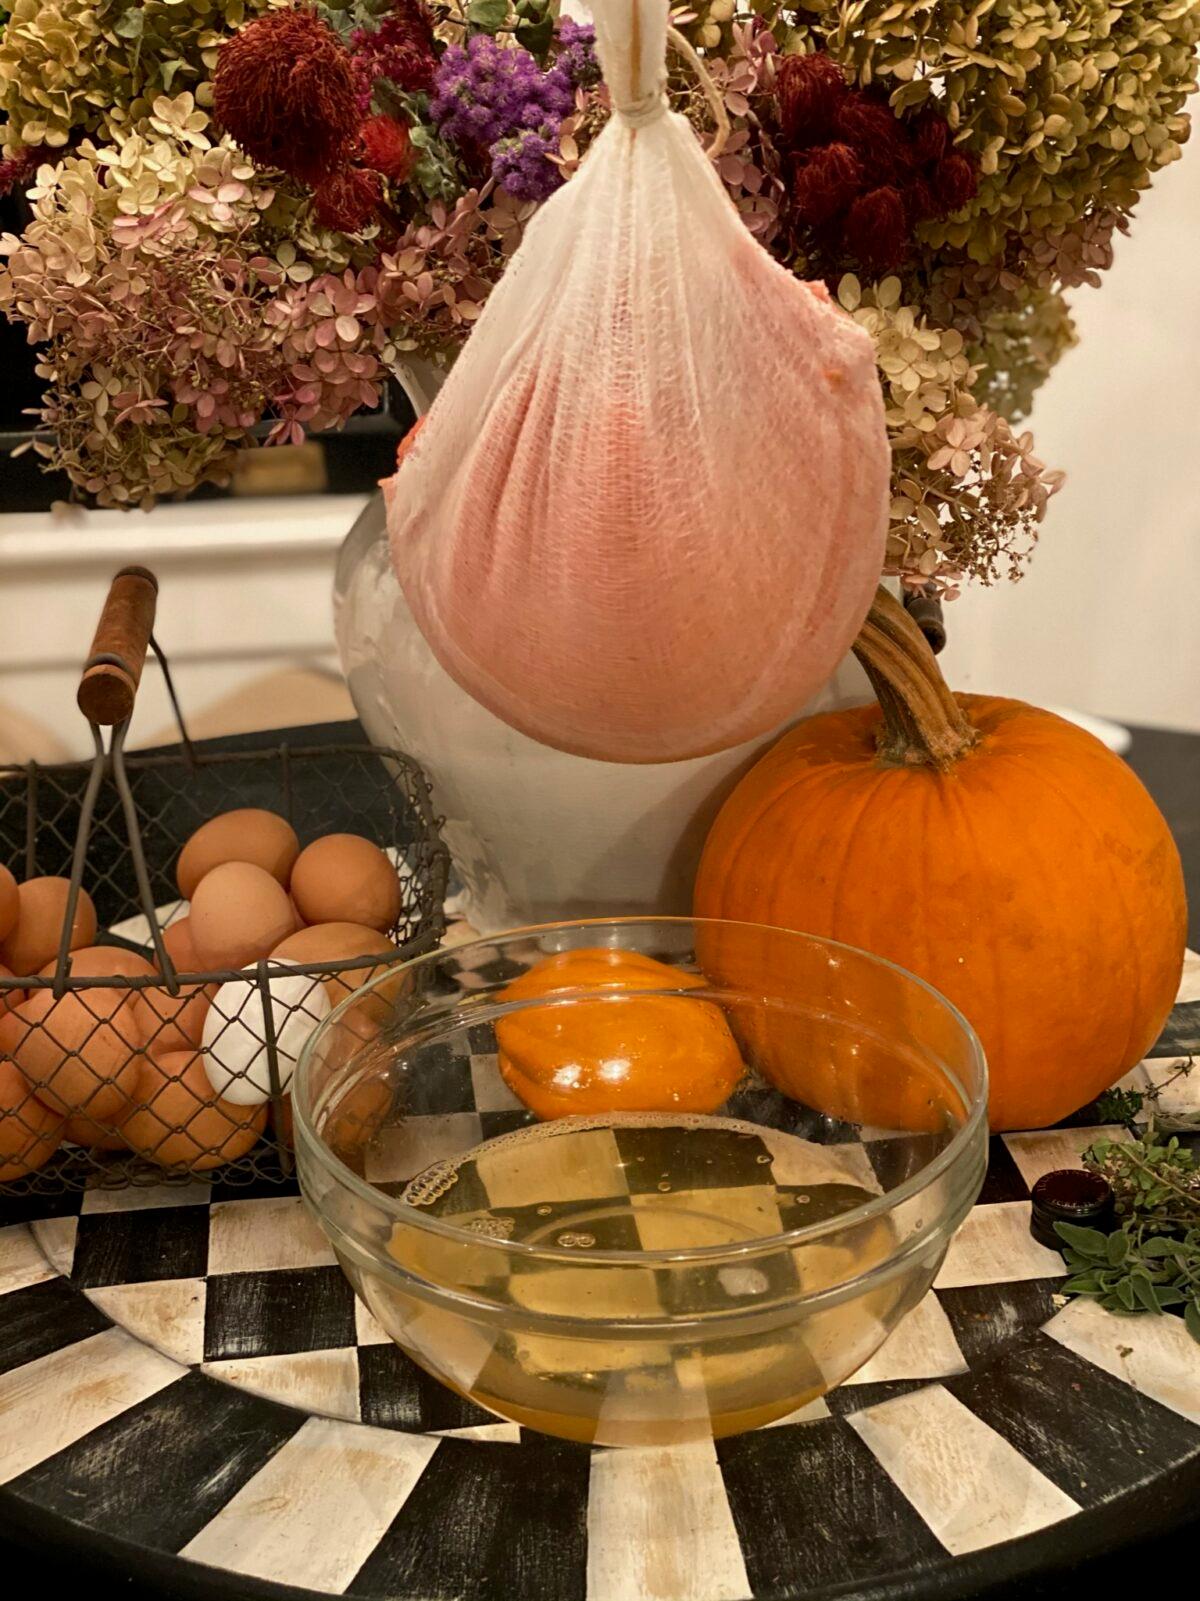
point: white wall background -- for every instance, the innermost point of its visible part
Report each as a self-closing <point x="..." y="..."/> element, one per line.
<point x="1107" y="618"/>
<point x="245" y="589"/>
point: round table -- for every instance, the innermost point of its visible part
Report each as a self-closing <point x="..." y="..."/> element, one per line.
<point x="191" y="1395"/>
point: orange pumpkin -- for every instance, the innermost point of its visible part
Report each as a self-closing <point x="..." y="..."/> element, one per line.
<point x="997" y="851"/>
<point x="653" y="1053"/>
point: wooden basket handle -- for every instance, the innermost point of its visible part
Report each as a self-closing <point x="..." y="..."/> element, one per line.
<point x="113" y="670"/>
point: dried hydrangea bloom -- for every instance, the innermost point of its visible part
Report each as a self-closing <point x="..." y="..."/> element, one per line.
<point x="47" y="66"/>
<point x="1059" y="104"/>
<point x="967" y="493"/>
<point x="77" y="66"/>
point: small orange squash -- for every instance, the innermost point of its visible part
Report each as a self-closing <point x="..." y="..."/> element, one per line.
<point x="622" y="1053"/>
<point x="999" y="852"/>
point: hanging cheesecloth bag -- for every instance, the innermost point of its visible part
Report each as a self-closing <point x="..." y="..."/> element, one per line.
<point x="645" y="516"/>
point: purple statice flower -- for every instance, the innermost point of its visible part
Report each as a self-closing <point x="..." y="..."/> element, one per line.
<point x="521" y="163"/>
<point x="485" y="92"/>
<point x="577" y="52"/>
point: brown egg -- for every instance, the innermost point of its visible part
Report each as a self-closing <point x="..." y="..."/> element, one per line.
<point x="9" y="998"/>
<point x="103" y="961"/>
<point x="79" y="1051"/>
<point x="177" y="938"/>
<point x="9" y="902"/>
<point x="361" y="1112"/>
<point x="179" y="1122"/>
<point x="334" y="942"/>
<point x="345" y="879"/>
<point x="40" y="913"/>
<point x="173" y="1022"/>
<point x="247" y="835"/>
<point x="239" y="913"/>
<point x="30" y="1133"/>
<point x="97" y="1136"/>
<point x="359" y="1117"/>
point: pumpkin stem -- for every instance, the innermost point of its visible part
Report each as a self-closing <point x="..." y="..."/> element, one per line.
<point x="922" y="721"/>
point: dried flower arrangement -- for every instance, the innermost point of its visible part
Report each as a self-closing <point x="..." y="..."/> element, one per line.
<point x="249" y="210"/>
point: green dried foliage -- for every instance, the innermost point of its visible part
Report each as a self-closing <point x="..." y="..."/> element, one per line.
<point x="67" y="66"/>
<point x="1018" y="349"/>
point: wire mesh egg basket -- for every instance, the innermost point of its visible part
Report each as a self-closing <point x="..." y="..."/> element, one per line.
<point x="115" y="1067"/>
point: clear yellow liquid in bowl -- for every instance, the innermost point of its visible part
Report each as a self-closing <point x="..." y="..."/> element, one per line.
<point x="642" y="1183"/>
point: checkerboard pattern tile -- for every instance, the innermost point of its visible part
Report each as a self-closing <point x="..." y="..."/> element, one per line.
<point x="209" y="1330"/>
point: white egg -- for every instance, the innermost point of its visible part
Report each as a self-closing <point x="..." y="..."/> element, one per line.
<point x="235" y="1033"/>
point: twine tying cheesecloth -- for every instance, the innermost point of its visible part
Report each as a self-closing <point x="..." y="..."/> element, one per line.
<point x="648" y="108"/>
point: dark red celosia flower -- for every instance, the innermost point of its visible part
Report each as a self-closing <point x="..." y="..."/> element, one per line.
<point x="348" y="200"/>
<point x="881" y="140"/>
<point x="284" y="91"/>
<point x="400" y="48"/>
<point x="19" y="170"/>
<point x="826" y="183"/>
<point x="810" y="89"/>
<point x="386" y="147"/>
<point x="876" y="230"/>
<point x="861" y="176"/>
<point x="954" y="182"/>
<point x="920" y="202"/>
<point x="930" y="136"/>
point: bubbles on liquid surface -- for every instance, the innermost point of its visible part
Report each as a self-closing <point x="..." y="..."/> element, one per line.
<point x="429" y="1186"/>
<point x="492" y="1228"/>
<point x="511" y="1172"/>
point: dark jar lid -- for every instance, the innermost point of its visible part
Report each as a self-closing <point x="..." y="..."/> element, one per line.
<point x="1070" y="1195"/>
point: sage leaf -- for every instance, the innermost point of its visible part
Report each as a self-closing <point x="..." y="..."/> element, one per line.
<point x="1089" y="1242"/>
<point x="1082" y="1284"/>
<point x="1118" y="1247"/>
<point x="1191" y="1319"/>
<point x="1169" y="1295"/>
<point x="1159" y="1246"/>
<point x="1144" y="1291"/>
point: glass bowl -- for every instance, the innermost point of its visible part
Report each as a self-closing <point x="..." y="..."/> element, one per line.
<point x="756" y="1147"/>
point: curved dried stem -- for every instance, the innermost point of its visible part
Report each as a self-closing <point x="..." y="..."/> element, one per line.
<point x="923" y="724"/>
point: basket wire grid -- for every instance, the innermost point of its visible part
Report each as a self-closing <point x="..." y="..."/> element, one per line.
<point x="119" y="1053"/>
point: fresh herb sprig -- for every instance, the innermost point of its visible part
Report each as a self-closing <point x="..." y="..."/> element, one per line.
<point x="1123" y="1106"/>
<point x="1151" y="1263"/>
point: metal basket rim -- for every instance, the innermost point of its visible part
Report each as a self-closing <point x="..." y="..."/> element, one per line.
<point x="421" y="798"/>
<point x="266" y="968"/>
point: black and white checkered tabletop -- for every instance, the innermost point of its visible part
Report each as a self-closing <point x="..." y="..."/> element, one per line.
<point x="188" y="1370"/>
